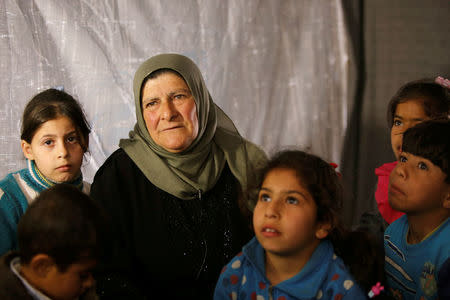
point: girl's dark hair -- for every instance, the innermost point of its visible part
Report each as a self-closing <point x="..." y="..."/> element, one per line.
<point x="65" y="224"/>
<point x="49" y="105"/>
<point x="318" y="177"/>
<point x="434" y="97"/>
<point x="360" y="252"/>
<point x="430" y="140"/>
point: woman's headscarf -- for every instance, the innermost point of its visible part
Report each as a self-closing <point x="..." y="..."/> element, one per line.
<point x="198" y="167"/>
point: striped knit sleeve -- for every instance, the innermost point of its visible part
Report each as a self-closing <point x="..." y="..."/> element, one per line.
<point x="10" y="213"/>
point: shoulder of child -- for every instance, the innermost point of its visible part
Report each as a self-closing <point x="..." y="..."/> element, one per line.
<point x="12" y="206"/>
<point x="339" y="283"/>
<point x="231" y="278"/>
<point x="8" y="180"/>
<point x="12" y="198"/>
<point x="397" y="226"/>
<point x="10" y="285"/>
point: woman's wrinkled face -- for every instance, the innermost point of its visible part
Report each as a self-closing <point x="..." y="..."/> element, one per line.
<point x="169" y="112"/>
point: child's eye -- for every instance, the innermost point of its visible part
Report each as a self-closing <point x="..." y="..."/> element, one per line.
<point x="402" y="159"/>
<point x="264" y="198"/>
<point x="48" y="142"/>
<point x="291" y="200"/>
<point x="397" y="123"/>
<point x="72" y="139"/>
<point x="422" y="166"/>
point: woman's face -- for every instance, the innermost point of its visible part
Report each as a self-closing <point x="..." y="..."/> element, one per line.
<point x="169" y="112"/>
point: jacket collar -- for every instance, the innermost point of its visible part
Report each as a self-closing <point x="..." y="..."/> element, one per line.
<point x="308" y="281"/>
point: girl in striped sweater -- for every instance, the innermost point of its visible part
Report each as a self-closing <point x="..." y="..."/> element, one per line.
<point x="54" y="138"/>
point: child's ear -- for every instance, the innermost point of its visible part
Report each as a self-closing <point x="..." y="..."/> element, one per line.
<point x="41" y="265"/>
<point x="323" y="230"/>
<point x="446" y="202"/>
<point x="26" y="149"/>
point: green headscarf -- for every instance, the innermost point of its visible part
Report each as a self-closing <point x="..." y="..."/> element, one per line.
<point x="198" y="167"/>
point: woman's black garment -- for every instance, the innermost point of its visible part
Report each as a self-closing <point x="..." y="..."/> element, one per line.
<point x="163" y="245"/>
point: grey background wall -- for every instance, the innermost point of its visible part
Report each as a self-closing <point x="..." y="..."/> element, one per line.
<point x="262" y="61"/>
<point x="395" y="42"/>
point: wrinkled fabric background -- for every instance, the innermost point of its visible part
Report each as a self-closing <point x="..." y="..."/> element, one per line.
<point x="263" y="62"/>
<point x="311" y="74"/>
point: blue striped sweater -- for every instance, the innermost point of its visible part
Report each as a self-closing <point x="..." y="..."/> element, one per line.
<point x="17" y="191"/>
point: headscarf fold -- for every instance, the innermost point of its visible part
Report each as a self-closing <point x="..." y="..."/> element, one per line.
<point x="197" y="168"/>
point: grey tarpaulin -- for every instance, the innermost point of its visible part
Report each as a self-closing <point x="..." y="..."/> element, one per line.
<point x="282" y="70"/>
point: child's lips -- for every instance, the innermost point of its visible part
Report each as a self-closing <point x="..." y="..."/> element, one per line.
<point x="63" y="168"/>
<point x="393" y="189"/>
<point x="269" y="231"/>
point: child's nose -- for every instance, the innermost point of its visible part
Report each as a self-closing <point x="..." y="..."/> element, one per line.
<point x="62" y="150"/>
<point x="272" y="209"/>
<point x="400" y="170"/>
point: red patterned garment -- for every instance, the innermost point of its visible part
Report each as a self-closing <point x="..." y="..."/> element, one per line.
<point x="381" y="194"/>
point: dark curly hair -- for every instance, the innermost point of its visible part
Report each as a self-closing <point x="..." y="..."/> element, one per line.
<point x="434" y="97"/>
<point x="360" y="252"/>
<point x="430" y="140"/>
<point x="65" y="224"/>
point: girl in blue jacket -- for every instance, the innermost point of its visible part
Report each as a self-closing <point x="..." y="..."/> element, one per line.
<point x="300" y="249"/>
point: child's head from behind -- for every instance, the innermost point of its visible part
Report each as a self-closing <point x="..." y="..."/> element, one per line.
<point x="60" y="239"/>
<point x="55" y="134"/>
<point x="420" y="183"/>
<point x="413" y="103"/>
<point x="300" y="196"/>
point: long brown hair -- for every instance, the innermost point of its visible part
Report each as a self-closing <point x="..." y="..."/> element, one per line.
<point x="49" y="105"/>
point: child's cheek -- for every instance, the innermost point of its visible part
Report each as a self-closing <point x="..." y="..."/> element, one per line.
<point x="256" y="216"/>
<point x="396" y="142"/>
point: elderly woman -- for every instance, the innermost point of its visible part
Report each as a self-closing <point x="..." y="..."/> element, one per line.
<point x="174" y="188"/>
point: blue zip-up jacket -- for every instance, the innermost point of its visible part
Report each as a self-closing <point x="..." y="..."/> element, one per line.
<point x="323" y="277"/>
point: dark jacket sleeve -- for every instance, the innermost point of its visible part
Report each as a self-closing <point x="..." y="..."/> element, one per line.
<point x="444" y="280"/>
<point x="110" y="189"/>
<point x="372" y="223"/>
